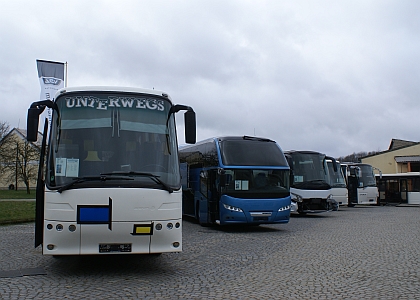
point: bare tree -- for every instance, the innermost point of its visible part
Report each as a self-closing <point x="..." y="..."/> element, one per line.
<point x="19" y="160"/>
<point x="356" y="157"/>
<point x="4" y="129"/>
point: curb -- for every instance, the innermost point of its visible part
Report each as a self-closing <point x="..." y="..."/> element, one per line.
<point x="11" y="222"/>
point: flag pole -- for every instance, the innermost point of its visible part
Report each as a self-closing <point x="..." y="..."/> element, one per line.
<point x="65" y="82"/>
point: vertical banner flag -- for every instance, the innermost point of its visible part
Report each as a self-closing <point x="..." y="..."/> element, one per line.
<point x="51" y="78"/>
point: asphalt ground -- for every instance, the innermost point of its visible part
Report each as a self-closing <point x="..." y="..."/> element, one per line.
<point x="370" y="252"/>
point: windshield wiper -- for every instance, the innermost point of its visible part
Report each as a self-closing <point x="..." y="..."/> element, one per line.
<point x="154" y="177"/>
<point x="102" y="177"/>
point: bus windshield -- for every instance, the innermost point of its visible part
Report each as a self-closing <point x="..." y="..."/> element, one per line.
<point x="98" y="133"/>
<point x="308" y="167"/>
<point x="336" y="178"/>
<point x="368" y="177"/>
<point x="257" y="183"/>
<point x="251" y="153"/>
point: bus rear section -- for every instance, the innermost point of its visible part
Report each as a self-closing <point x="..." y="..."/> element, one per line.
<point x="310" y="188"/>
<point x="235" y="180"/>
<point x="399" y="188"/>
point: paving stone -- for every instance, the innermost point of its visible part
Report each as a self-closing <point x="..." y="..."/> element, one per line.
<point x="355" y="253"/>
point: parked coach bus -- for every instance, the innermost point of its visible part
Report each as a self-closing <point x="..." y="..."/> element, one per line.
<point x="235" y="180"/>
<point x="338" y="184"/>
<point x="361" y="183"/>
<point x="310" y="187"/>
<point x="112" y="182"/>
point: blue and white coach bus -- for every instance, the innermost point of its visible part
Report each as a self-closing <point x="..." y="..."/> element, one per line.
<point x="111" y="182"/>
<point x="235" y="180"/>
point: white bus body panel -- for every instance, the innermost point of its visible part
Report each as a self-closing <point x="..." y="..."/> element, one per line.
<point x="367" y="195"/>
<point x="413" y="198"/>
<point x="341" y="195"/>
<point x="306" y="194"/>
<point x="130" y="207"/>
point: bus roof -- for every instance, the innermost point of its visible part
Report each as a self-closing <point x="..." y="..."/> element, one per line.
<point x="110" y="89"/>
<point x="302" y="152"/>
<point x="228" y="138"/>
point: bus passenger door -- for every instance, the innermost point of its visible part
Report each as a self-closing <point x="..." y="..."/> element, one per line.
<point x="352" y="187"/>
<point x="203" y="209"/>
<point x="209" y="199"/>
<point x="213" y="196"/>
<point x="403" y="191"/>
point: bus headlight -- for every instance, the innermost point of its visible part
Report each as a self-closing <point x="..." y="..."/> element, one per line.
<point x="296" y="197"/>
<point x="59" y="227"/>
<point x="284" y="208"/>
<point x="232" y="208"/>
<point x="158" y="226"/>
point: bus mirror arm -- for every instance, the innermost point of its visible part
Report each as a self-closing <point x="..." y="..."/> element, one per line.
<point x="189" y="120"/>
<point x="34" y="111"/>
<point x="334" y="162"/>
<point x="380" y="172"/>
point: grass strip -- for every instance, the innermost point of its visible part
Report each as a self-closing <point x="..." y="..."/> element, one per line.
<point x="17" y="212"/>
<point x="19" y="194"/>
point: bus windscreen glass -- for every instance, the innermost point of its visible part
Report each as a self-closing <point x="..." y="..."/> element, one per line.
<point x="251" y="153"/>
<point x="113" y="133"/>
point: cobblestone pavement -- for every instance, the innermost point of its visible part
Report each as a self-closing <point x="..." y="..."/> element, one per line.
<point x="356" y="253"/>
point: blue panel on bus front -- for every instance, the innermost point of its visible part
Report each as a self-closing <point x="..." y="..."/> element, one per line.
<point x="93" y="214"/>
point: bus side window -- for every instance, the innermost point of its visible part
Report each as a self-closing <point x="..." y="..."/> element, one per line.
<point x="203" y="183"/>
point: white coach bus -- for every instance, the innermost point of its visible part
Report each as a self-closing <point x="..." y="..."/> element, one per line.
<point x="111" y="182"/>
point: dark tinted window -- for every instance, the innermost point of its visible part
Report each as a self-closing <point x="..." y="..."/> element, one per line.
<point x="203" y="154"/>
<point x="251" y="153"/>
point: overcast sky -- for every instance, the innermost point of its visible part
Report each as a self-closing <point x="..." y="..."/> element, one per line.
<point x="331" y="76"/>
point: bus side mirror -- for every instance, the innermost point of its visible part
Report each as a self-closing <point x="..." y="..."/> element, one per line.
<point x="32" y="124"/>
<point x="190" y="127"/>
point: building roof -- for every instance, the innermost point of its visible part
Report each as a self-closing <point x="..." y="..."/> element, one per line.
<point x="396" y="144"/>
<point x="21" y="133"/>
<point x="404" y="159"/>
